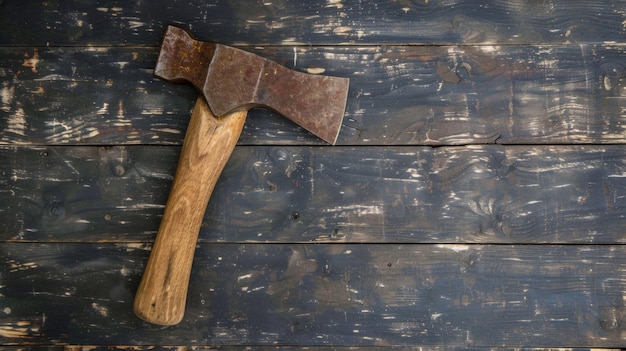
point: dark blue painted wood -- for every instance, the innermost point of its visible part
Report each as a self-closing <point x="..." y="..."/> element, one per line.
<point x="314" y="22"/>
<point x="383" y="241"/>
<point x="325" y="294"/>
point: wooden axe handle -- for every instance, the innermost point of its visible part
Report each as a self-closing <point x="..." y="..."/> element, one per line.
<point x="209" y="141"/>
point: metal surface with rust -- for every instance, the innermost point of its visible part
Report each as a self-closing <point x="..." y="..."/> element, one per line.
<point x="231" y="79"/>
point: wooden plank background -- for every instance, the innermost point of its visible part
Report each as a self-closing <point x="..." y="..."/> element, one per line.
<point x="476" y="198"/>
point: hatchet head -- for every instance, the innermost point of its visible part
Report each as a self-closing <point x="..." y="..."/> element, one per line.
<point x="231" y="79"/>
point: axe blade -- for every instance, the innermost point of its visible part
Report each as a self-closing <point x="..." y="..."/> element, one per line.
<point x="232" y="79"/>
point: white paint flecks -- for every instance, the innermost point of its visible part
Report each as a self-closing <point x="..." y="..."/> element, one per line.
<point x="101" y="310"/>
<point x="360" y="210"/>
<point x="122" y="64"/>
<point x="31" y="62"/>
<point x="152" y="111"/>
<point x="166" y="130"/>
<point x="334" y="3"/>
<point x="315" y="70"/>
<point x="342" y="29"/>
<point x="454" y="247"/>
<point x="243" y="277"/>
<point x="15" y="266"/>
<point x="16" y="122"/>
<point x="8" y="331"/>
<point x="135" y="24"/>
<point x="6" y="96"/>
<point x="103" y="110"/>
<point x="120" y="109"/>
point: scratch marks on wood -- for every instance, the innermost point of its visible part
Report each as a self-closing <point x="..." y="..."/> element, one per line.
<point x="16" y="125"/>
<point x="356" y="294"/>
<point x="83" y="97"/>
<point x="17" y="331"/>
<point x="537" y="193"/>
<point x="101" y="310"/>
<point x="445" y="95"/>
<point x="31" y="61"/>
<point x="489" y="94"/>
<point x="15" y="266"/>
<point x="524" y="194"/>
<point x="80" y="190"/>
<point x="332" y="21"/>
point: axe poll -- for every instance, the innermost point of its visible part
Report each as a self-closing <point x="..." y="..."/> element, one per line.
<point x="231" y="81"/>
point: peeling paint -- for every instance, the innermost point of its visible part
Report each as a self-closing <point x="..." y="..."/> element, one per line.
<point x="7" y="92"/>
<point x="101" y="310"/>
<point x="315" y="70"/>
<point x="454" y="247"/>
<point x="334" y="3"/>
<point x="16" y="122"/>
<point x="342" y="29"/>
<point x="32" y="62"/>
<point x="13" y="332"/>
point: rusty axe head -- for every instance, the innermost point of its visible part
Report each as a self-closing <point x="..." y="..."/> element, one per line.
<point x="231" y="79"/>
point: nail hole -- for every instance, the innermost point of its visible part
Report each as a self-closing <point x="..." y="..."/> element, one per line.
<point x="119" y="170"/>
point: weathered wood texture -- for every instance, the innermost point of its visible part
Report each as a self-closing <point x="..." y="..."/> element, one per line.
<point x="382" y="242"/>
<point x="288" y="22"/>
<point x="400" y="95"/>
<point x="280" y="348"/>
<point x="479" y="194"/>
<point x="325" y="294"/>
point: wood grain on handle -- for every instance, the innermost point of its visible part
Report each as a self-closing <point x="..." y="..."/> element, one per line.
<point x="209" y="141"/>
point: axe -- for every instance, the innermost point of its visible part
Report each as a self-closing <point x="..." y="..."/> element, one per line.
<point x="231" y="81"/>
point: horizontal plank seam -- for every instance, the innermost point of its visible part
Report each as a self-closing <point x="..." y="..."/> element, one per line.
<point x="205" y="242"/>
<point x="331" y="45"/>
